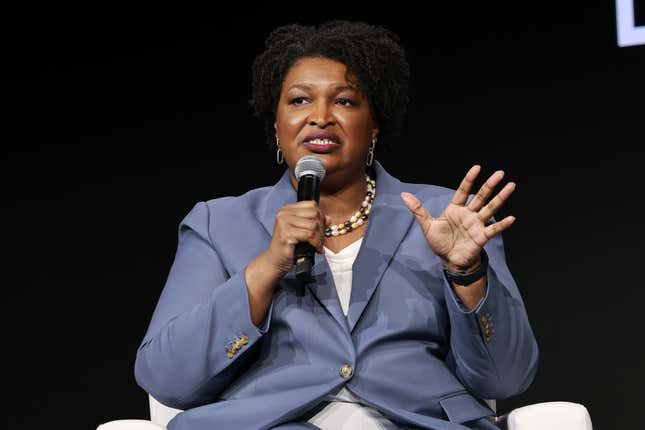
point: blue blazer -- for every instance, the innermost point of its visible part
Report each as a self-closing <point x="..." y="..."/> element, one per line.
<point x="407" y="347"/>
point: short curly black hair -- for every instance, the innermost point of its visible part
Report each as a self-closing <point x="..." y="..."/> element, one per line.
<point x="372" y="54"/>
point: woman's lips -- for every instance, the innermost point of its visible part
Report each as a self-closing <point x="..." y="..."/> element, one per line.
<point x="321" y="146"/>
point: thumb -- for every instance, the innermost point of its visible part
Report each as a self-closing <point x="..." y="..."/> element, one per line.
<point x="414" y="205"/>
<point x="327" y="220"/>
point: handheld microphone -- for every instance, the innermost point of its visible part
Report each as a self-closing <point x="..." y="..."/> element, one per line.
<point x="309" y="172"/>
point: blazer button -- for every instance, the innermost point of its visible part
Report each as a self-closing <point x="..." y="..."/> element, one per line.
<point x="346" y="371"/>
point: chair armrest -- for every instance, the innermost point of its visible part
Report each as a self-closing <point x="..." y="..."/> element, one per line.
<point x="550" y="415"/>
<point x="129" y="425"/>
<point x="161" y="414"/>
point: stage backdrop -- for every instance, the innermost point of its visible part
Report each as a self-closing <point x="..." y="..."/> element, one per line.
<point x="118" y="120"/>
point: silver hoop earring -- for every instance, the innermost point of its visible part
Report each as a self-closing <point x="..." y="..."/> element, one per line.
<point x="279" y="157"/>
<point x="370" y="153"/>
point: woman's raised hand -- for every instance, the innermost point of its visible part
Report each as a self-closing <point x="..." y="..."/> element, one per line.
<point x="296" y="222"/>
<point x="458" y="235"/>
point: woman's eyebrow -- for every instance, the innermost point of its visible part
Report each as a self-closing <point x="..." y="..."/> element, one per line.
<point x="300" y="86"/>
<point x="336" y="88"/>
<point x="345" y="87"/>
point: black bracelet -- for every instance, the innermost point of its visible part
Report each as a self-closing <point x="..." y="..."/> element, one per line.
<point x="468" y="278"/>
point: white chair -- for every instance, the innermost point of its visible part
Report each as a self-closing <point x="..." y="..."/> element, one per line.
<point x="160" y="415"/>
<point x="550" y="415"/>
<point x="539" y="416"/>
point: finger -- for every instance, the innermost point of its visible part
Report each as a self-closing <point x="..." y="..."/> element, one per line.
<point x="493" y="206"/>
<point x="418" y="210"/>
<point x="498" y="227"/>
<point x="305" y="223"/>
<point x="318" y="241"/>
<point x="305" y="206"/>
<point x="461" y="195"/>
<point x="485" y="191"/>
<point x="297" y="234"/>
<point x="303" y="212"/>
<point x="315" y="238"/>
<point x="311" y="204"/>
<point x="312" y="234"/>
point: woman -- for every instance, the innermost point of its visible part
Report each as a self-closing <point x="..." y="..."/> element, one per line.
<point x="411" y="316"/>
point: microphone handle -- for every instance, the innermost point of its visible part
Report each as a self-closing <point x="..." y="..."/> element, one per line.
<point x="304" y="255"/>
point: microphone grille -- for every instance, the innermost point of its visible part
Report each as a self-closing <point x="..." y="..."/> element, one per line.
<point x="310" y="165"/>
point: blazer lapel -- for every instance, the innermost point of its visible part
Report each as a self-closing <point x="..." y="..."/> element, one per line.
<point x="322" y="285"/>
<point x="388" y="223"/>
<point x="279" y="195"/>
<point x="324" y="288"/>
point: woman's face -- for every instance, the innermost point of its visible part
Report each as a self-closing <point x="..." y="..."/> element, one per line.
<point x="320" y="113"/>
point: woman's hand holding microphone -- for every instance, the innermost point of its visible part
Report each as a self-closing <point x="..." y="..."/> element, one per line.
<point x="295" y="222"/>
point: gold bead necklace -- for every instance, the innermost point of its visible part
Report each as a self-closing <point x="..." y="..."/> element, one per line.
<point x="361" y="215"/>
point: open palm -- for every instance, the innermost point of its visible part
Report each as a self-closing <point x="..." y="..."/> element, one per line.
<point x="458" y="235"/>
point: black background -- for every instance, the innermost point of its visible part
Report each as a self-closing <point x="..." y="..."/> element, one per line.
<point x="639" y="12"/>
<point x="116" y="121"/>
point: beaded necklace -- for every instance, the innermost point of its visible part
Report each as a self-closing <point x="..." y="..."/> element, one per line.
<point x="361" y="215"/>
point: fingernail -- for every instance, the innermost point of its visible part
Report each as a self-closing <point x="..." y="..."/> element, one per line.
<point x="405" y="198"/>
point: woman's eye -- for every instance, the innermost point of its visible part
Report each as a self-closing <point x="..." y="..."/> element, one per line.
<point x="302" y="100"/>
<point x="297" y="100"/>
<point x="346" y="102"/>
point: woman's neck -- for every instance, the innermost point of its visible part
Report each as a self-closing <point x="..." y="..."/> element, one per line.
<point x="340" y="203"/>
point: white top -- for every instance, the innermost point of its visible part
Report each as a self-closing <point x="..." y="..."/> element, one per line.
<point x="345" y="410"/>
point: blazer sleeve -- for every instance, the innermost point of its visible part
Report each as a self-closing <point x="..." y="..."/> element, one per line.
<point x="492" y="348"/>
<point x="201" y="329"/>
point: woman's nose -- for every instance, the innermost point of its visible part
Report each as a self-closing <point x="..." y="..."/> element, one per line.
<point x="321" y="115"/>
